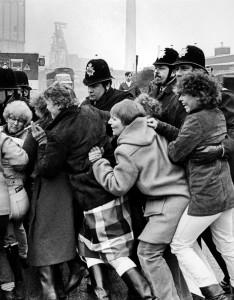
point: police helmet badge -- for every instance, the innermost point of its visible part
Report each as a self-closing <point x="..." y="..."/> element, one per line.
<point x="89" y="70"/>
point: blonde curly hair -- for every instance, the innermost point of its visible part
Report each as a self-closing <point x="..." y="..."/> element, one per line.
<point x="151" y="106"/>
<point x="19" y="109"/>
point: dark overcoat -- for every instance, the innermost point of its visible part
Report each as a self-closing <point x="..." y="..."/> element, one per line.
<point x="51" y="237"/>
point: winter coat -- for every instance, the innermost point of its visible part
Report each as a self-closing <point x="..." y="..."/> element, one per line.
<point x="210" y="184"/>
<point x="133" y="88"/>
<point x="142" y="159"/>
<point x="70" y="137"/>
<point x="51" y="237"/>
<point x="172" y="110"/>
<point x="227" y="107"/>
<point x="17" y="158"/>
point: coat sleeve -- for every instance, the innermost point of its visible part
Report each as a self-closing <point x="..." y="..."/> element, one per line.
<point x="188" y="139"/>
<point x="14" y="154"/>
<point x="118" y="180"/>
<point x="227" y="107"/>
<point x="166" y="130"/>
<point x="51" y="157"/>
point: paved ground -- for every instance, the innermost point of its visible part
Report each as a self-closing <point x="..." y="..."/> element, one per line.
<point x="117" y="287"/>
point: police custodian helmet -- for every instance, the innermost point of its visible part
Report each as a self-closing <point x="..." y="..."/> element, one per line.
<point x="191" y="55"/>
<point x="166" y="56"/>
<point x="8" y="79"/>
<point x="97" y="70"/>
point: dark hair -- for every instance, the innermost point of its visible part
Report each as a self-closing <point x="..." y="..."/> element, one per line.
<point x="151" y="106"/>
<point x="128" y="73"/>
<point x="127" y="111"/>
<point x="200" y="85"/>
<point x="106" y="83"/>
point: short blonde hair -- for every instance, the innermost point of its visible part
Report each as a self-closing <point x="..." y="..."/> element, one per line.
<point x="127" y="111"/>
<point x="18" y="109"/>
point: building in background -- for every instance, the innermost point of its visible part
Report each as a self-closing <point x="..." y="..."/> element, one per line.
<point x="222" y="61"/>
<point x="12" y="25"/>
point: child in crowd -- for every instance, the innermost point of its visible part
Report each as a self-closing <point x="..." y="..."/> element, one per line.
<point x="211" y="187"/>
<point x="142" y="159"/>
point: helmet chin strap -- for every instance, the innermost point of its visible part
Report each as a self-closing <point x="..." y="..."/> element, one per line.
<point x="169" y="77"/>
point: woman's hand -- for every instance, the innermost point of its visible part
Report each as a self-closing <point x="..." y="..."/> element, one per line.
<point x="151" y="122"/>
<point x="38" y="133"/>
<point x="95" y="154"/>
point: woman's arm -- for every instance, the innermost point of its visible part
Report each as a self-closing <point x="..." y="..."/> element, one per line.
<point x="117" y="180"/>
<point x="188" y="139"/>
<point x="14" y="154"/>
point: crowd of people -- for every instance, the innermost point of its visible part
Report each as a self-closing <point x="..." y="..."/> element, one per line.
<point x="123" y="179"/>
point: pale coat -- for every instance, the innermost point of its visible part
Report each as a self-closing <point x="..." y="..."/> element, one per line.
<point x="17" y="158"/>
<point x="142" y="159"/>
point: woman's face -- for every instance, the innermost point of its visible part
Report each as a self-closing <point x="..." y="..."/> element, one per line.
<point x="54" y="109"/>
<point x="116" y="125"/>
<point x="15" y="124"/>
<point x="189" y="102"/>
<point x="38" y="112"/>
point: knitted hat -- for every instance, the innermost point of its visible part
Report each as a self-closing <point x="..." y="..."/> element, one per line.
<point x="97" y="70"/>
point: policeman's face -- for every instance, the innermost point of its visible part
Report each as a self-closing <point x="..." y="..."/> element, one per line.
<point x="161" y="73"/>
<point x="183" y="69"/>
<point x="2" y="96"/>
<point x="96" y="91"/>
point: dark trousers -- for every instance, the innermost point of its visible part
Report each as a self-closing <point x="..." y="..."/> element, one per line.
<point x="6" y="274"/>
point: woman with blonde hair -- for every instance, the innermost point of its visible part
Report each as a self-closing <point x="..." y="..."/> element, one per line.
<point x="17" y="115"/>
<point x="17" y="159"/>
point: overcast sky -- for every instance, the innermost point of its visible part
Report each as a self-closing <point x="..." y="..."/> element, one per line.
<point x="98" y="27"/>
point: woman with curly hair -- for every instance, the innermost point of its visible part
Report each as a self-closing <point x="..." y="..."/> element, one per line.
<point x="211" y="187"/>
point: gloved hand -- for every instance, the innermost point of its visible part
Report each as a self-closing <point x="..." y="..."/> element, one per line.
<point x="38" y="133"/>
<point x="95" y="154"/>
<point x="153" y="123"/>
<point x="207" y="154"/>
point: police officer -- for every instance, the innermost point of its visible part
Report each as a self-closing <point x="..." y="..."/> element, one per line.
<point x="8" y="90"/>
<point x="162" y="86"/>
<point x="98" y="79"/>
<point x="24" y="90"/>
<point x="22" y="82"/>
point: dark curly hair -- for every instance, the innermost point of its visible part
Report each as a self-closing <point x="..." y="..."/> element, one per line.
<point x="151" y="106"/>
<point x="200" y="85"/>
